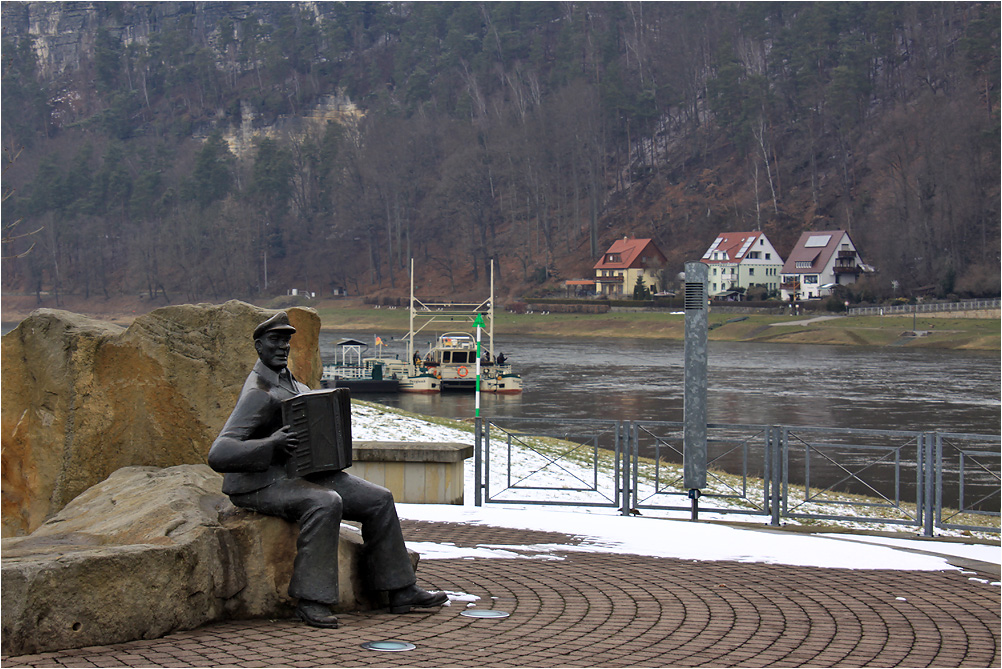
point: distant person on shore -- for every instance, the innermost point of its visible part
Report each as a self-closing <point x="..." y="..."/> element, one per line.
<point x="251" y="451"/>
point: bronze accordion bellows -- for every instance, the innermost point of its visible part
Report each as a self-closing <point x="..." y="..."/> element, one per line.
<point x="321" y="420"/>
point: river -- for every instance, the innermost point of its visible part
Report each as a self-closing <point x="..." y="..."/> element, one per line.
<point x="885" y="388"/>
<point x="888" y="388"/>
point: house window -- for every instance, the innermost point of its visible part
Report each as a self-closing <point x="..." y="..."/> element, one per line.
<point x="714" y="271"/>
<point x="803" y="264"/>
<point x="751" y="271"/>
<point x="753" y="255"/>
<point x="768" y="256"/>
<point x="810" y="278"/>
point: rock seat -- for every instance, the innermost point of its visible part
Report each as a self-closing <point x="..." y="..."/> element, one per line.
<point x="150" y="551"/>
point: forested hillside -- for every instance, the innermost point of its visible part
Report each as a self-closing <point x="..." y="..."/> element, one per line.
<point x="197" y="151"/>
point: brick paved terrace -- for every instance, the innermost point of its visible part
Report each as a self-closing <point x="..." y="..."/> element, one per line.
<point x="595" y="609"/>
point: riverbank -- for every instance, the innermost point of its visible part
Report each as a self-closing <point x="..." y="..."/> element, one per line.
<point x="975" y="334"/>
<point x="352" y="316"/>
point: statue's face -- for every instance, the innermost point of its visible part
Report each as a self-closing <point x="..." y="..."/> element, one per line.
<point x="273" y="349"/>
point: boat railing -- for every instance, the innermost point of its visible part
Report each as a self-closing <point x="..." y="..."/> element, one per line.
<point x="345" y="371"/>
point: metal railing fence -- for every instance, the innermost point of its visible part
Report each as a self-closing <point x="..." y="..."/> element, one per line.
<point x="734" y="464"/>
<point x="579" y="462"/>
<point x="926" y="480"/>
<point x="925" y="308"/>
<point x="962" y="460"/>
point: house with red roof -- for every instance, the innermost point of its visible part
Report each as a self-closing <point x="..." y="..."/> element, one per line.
<point x="740" y="260"/>
<point x="819" y="262"/>
<point x="617" y="271"/>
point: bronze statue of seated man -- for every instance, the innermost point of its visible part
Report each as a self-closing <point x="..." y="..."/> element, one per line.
<point x="251" y="452"/>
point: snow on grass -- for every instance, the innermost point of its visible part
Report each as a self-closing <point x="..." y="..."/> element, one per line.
<point x="520" y="466"/>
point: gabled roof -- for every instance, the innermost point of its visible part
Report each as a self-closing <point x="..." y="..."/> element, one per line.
<point x="734" y="246"/>
<point x="630" y="252"/>
<point x="816" y="248"/>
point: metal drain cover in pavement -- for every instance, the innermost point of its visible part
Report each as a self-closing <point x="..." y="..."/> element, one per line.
<point x="484" y="613"/>
<point x="389" y="646"/>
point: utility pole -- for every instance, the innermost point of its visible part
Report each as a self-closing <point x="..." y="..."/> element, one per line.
<point x="694" y="403"/>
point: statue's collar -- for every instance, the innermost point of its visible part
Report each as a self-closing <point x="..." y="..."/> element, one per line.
<point x="266" y="373"/>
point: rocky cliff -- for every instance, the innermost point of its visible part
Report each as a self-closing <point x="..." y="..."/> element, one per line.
<point x="63" y="32"/>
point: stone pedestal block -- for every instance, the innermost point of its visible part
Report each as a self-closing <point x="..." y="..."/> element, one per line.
<point x="415" y="472"/>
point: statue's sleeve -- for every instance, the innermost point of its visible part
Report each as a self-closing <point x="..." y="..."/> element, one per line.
<point x="243" y="445"/>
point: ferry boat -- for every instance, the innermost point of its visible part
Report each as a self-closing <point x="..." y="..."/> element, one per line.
<point x="450" y="363"/>
<point x="453" y="358"/>
<point x="377" y="374"/>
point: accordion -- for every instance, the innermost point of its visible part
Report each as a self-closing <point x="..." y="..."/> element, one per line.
<point x="321" y="420"/>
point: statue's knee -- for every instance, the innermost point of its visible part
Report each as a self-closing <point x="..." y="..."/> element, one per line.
<point x="384" y="499"/>
<point x="326" y="502"/>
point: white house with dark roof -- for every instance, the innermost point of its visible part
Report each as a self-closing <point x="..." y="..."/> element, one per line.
<point x="742" y="260"/>
<point x="617" y="271"/>
<point x="819" y="262"/>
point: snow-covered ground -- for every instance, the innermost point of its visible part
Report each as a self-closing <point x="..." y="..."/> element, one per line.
<point x="604" y="530"/>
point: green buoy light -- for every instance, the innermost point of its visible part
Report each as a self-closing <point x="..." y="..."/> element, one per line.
<point x="484" y="613"/>
<point x="388" y="646"/>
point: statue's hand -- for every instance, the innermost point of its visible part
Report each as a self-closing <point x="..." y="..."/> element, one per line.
<point x="284" y="441"/>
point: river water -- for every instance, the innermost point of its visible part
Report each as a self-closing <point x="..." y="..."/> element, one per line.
<point x="769" y="384"/>
<point x="920" y="390"/>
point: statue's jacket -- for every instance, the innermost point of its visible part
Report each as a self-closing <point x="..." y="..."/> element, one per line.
<point x="242" y="451"/>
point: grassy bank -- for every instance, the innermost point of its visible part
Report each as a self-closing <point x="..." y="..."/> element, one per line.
<point x="976" y="334"/>
<point x="945" y="333"/>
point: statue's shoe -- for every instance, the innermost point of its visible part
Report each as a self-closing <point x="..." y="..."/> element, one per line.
<point x="413" y="597"/>
<point x="316" y="614"/>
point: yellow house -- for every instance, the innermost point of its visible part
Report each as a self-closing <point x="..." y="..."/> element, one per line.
<point x="617" y="271"/>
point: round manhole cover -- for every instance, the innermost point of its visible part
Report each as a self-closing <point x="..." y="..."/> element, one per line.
<point x="484" y="613"/>
<point x="388" y="646"/>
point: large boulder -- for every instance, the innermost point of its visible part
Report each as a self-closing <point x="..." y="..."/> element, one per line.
<point x="150" y="551"/>
<point x="83" y="398"/>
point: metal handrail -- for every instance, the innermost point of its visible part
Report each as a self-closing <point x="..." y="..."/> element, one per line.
<point x="927" y="307"/>
<point x="944" y="465"/>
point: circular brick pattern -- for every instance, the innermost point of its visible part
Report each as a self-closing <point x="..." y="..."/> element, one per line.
<point x="609" y="610"/>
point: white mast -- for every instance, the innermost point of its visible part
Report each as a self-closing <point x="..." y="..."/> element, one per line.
<point x="410" y="328"/>
<point x="490" y="313"/>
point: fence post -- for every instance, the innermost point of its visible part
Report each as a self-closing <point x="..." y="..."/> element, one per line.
<point x="477" y="461"/>
<point x="776" y="472"/>
<point x="938" y="505"/>
<point x="623" y="454"/>
<point x="929" y="514"/>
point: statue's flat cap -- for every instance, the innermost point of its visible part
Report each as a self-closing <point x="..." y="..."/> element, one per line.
<point x="279" y="321"/>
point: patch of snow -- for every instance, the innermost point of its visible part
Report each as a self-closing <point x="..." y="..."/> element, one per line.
<point x="602" y="529"/>
<point x="684" y="540"/>
<point x="981" y="552"/>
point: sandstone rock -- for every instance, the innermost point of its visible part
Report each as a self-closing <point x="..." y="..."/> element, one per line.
<point x="82" y="398"/>
<point x="150" y="551"/>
